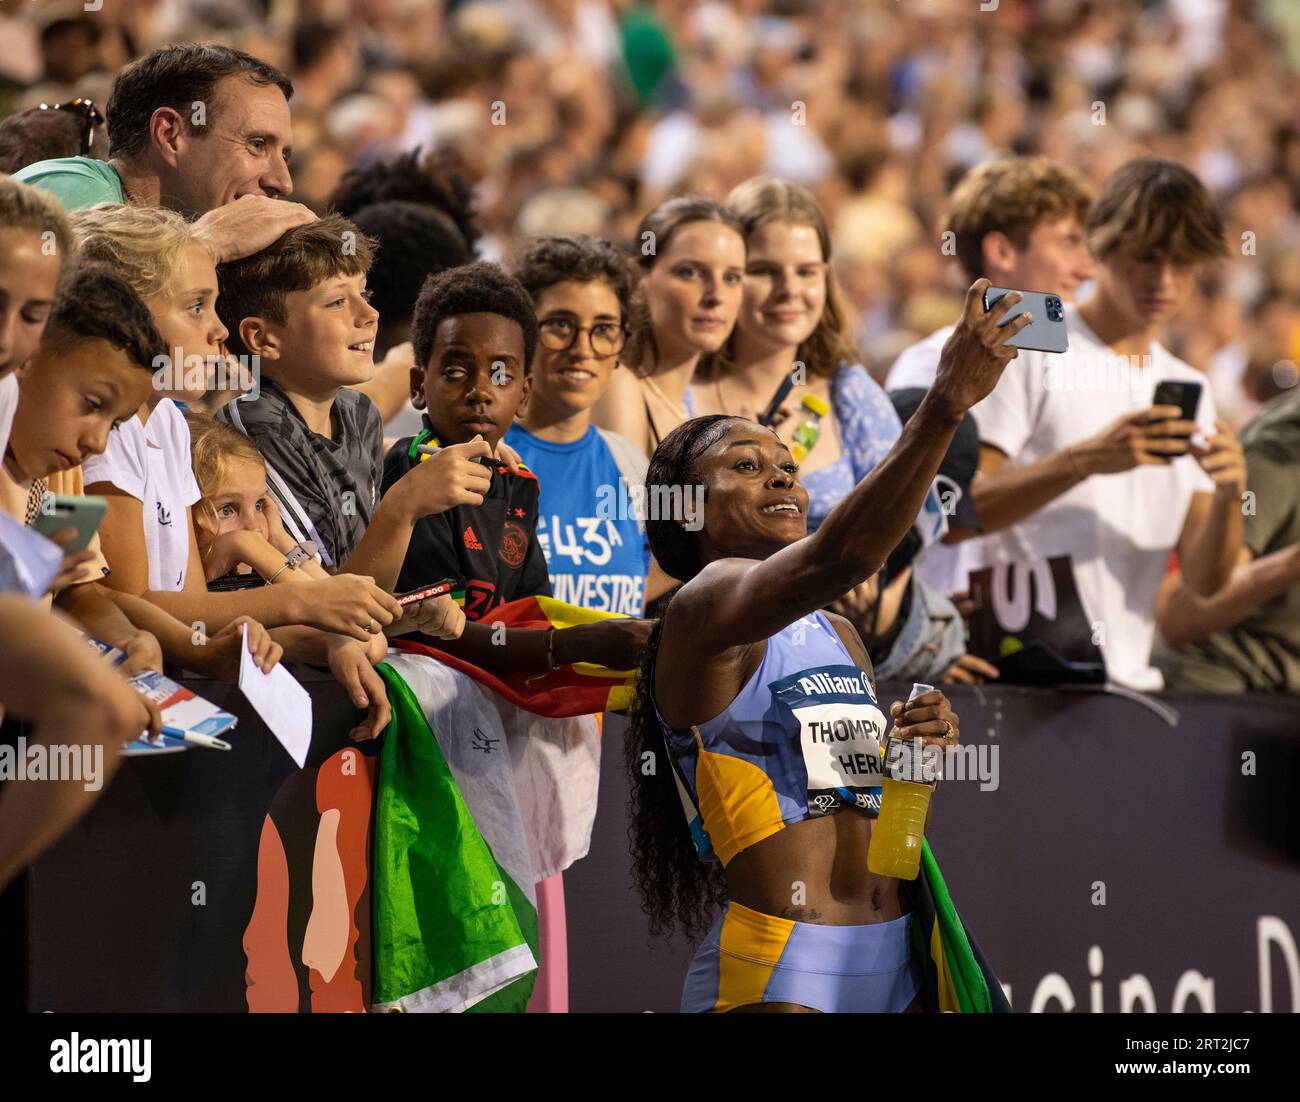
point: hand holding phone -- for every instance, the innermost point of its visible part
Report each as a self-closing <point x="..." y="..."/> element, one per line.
<point x="60" y="511"/>
<point x="1186" y="396"/>
<point x="1046" y="332"/>
<point x="1140" y="438"/>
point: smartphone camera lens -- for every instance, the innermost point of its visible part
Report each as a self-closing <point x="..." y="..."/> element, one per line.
<point x="1054" y="309"/>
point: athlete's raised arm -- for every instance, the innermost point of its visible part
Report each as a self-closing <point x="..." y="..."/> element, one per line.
<point x="758" y="576"/>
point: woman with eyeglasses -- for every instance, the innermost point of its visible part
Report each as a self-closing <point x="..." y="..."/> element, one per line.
<point x="587" y="524"/>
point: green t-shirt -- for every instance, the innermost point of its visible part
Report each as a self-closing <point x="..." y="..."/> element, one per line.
<point x="76" y="182"/>
<point x="1262" y="653"/>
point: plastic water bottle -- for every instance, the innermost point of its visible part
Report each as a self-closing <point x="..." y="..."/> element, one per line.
<point x="805" y="436"/>
<point x="895" y="847"/>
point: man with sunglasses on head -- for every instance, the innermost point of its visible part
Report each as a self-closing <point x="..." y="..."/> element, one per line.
<point x="50" y="131"/>
<point x="197" y="128"/>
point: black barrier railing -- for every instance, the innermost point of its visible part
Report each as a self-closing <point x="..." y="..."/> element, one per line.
<point x="1104" y="860"/>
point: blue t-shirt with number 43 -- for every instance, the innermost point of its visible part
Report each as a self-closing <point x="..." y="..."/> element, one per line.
<point x="596" y="551"/>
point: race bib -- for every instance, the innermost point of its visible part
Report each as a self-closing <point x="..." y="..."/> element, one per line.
<point x="840" y="732"/>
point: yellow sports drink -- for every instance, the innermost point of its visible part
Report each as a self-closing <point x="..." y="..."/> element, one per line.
<point x="895" y="848"/>
<point x="809" y="429"/>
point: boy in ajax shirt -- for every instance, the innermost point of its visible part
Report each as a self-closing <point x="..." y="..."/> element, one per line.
<point x="474" y="336"/>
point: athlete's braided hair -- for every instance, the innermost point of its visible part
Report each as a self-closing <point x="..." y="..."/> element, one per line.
<point x="676" y="887"/>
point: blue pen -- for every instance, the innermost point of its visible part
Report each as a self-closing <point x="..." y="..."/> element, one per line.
<point x="210" y="741"/>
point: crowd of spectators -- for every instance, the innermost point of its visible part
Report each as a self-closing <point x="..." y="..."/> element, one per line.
<point x="535" y="236"/>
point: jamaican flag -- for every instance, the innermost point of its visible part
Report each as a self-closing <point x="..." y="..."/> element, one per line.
<point x="957" y="976"/>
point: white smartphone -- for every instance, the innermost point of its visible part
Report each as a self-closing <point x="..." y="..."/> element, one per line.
<point x="1046" y="333"/>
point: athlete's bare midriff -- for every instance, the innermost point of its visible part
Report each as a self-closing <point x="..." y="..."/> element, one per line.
<point x="811" y="871"/>
<point x="815" y="871"/>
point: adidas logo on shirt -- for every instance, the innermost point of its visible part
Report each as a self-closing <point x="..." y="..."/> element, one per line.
<point x="471" y="540"/>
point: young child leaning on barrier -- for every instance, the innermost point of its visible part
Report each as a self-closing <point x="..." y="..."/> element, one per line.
<point x="242" y="544"/>
<point x="145" y="470"/>
<point x="474" y="336"/>
<point x="91" y="371"/>
<point x="236" y="522"/>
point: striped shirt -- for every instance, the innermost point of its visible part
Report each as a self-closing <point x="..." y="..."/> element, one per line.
<point x="326" y="489"/>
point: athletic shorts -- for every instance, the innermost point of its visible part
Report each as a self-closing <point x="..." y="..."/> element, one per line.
<point x="750" y="957"/>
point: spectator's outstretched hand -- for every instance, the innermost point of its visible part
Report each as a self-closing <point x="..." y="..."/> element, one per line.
<point x="71" y="569"/>
<point x="148" y="720"/>
<point x="346" y="604"/>
<point x="441" y="617"/>
<point x="970" y="669"/>
<point x="352" y="670"/>
<point x="225" y="649"/>
<point x="858" y="604"/>
<point x="977" y="352"/>
<point x="143" y="652"/>
<point x="1146" y="437"/>
<point x="249" y="225"/>
<point x="1223" y="459"/>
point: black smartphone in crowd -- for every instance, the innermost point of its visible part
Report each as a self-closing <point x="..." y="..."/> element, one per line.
<point x="1185" y="395"/>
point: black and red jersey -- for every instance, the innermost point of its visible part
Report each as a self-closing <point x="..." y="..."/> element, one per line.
<point x="492" y="546"/>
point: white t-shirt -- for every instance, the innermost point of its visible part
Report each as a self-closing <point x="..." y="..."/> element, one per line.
<point x="1118" y="529"/>
<point x="940" y="565"/>
<point x="152" y="463"/>
<point x="918" y="364"/>
<point x="8" y="407"/>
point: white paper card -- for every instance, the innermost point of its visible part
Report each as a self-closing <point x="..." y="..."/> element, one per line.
<point x="283" y="704"/>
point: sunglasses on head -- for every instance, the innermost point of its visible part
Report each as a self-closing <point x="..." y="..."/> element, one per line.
<point x="91" y="117"/>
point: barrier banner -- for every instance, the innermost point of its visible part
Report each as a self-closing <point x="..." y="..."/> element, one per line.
<point x="1105" y="861"/>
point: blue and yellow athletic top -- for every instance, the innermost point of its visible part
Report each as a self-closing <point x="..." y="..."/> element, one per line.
<point x="803" y="738"/>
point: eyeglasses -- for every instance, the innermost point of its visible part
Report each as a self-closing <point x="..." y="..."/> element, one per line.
<point x="91" y="117"/>
<point x="607" y="339"/>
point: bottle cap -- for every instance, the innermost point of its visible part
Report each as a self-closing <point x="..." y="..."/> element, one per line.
<point x="814" y="404"/>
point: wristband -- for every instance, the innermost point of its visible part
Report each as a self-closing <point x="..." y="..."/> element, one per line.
<point x="300" y="552"/>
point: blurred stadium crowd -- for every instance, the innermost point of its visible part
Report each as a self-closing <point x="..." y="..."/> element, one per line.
<point x="577" y="116"/>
